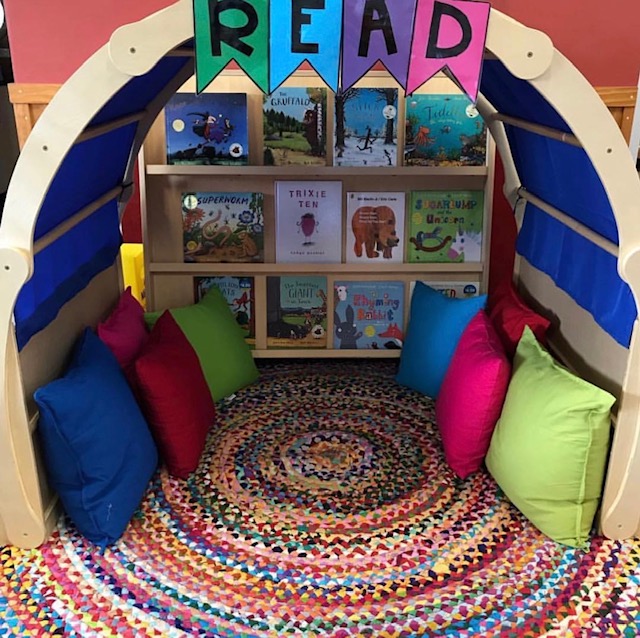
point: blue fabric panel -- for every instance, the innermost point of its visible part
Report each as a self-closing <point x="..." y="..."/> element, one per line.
<point x="64" y="268"/>
<point x="140" y="91"/>
<point x="517" y="98"/>
<point x="583" y="270"/>
<point x="89" y="170"/>
<point x="563" y="176"/>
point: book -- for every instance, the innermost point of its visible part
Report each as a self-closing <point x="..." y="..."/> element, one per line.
<point x="223" y="227"/>
<point x="207" y="129"/>
<point x="297" y="312"/>
<point x="240" y="295"/>
<point x="295" y="130"/>
<point x="375" y="227"/>
<point x="445" y="226"/>
<point x="368" y="315"/>
<point x="452" y="289"/>
<point x="308" y="221"/>
<point x="365" y="131"/>
<point x="444" y="130"/>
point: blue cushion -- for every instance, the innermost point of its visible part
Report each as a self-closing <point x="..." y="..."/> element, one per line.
<point x="436" y="324"/>
<point x="97" y="447"/>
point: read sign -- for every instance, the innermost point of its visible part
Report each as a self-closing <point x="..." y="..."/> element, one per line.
<point x="342" y="39"/>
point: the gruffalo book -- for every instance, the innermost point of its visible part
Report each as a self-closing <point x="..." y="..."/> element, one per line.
<point x="295" y="131"/>
<point x="368" y="315"/>
<point x="375" y="227"/>
<point x="443" y="130"/>
<point x="445" y="226"/>
<point x="223" y="227"/>
<point x="207" y="129"/>
<point x="240" y="295"/>
<point x="297" y="312"/>
<point x="365" y="129"/>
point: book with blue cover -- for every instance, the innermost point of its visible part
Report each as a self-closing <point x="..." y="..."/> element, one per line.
<point x="443" y="130"/>
<point x="207" y="129"/>
<point x="368" y="315"/>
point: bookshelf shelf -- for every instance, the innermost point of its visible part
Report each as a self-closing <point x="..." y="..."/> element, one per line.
<point x="168" y="232"/>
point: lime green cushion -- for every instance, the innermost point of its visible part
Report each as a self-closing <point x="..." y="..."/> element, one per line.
<point x="216" y="337"/>
<point x="150" y="318"/>
<point x="549" y="448"/>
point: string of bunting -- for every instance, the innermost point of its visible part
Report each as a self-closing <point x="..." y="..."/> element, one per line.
<point x="270" y="39"/>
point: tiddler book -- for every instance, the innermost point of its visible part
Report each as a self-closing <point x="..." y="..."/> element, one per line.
<point x="309" y="222"/>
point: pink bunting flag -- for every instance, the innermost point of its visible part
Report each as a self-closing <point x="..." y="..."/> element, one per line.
<point x="449" y="33"/>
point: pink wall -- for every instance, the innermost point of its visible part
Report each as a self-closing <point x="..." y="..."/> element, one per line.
<point x="49" y="40"/>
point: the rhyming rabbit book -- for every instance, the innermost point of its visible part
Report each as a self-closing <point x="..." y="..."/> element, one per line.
<point x="297" y="312"/>
<point x="445" y="226"/>
<point x="368" y="315"/>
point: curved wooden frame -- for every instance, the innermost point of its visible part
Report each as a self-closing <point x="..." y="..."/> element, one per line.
<point x="25" y="519"/>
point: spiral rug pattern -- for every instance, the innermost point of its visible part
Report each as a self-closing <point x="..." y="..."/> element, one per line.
<point x="323" y="507"/>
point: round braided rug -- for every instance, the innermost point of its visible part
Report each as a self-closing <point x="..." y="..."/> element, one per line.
<point x="323" y="507"/>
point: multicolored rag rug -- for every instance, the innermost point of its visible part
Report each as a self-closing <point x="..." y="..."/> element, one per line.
<point x="323" y="507"/>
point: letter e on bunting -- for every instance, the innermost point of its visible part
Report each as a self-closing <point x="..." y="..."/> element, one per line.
<point x="376" y="30"/>
<point x="449" y="33"/>
<point x="305" y="30"/>
<point x="228" y="30"/>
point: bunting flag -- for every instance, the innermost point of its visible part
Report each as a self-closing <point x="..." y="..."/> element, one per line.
<point x="376" y="30"/>
<point x="449" y="33"/>
<point x="305" y="30"/>
<point x="228" y="30"/>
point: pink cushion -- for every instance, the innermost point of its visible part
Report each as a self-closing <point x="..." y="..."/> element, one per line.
<point x="124" y="331"/>
<point x="174" y="396"/>
<point x="471" y="396"/>
<point x="509" y="315"/>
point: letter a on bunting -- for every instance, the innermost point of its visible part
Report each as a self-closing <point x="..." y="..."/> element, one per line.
<point x="449" y="33"/>
<point x="376" y="30"/>
<point x="305" y="30"/>
<point x="228" y="30"/>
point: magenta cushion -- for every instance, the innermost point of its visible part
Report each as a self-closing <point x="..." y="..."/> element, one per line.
<point x="124" y="331"/>
<point x="471" y="396"/>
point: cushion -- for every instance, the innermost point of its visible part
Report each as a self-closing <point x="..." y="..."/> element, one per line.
<point x="125" y="331"/>
<point x="471" y="396"/>
<point x="175" y="397"/>
<point x="510" y="315"/>
<point x="97" y="448"/>
<point x="219" y="343"/>
<point x="436" y="324"/>
<point x="549" y="447"/>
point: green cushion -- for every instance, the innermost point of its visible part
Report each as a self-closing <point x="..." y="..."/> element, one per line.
<point x="150" y="318"/>
<point x="549" y="449"/>
<point x="218" y="340"/>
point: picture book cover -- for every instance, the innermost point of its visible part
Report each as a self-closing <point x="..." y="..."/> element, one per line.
<point x="207" y="129"/>
<point x="308" y="221"/>
<point x="368" y="315"/>
<point x="365" y="131"/>
<point x="295" y="131"/>
<point x="445" y="226"/>
<point x="297" y="312"/>
<point x="444" y="130"/>
<point x="375" y="225"/>
<point x="223" y="227"/>
<point x="453" y="289"/>
<point x="240" y="295"/>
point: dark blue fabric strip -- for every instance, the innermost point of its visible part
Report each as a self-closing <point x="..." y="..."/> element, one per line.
<point x="586" y="272"/>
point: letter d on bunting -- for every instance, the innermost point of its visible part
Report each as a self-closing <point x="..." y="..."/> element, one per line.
<point x="449" y="33"/>
<point x="228" y="30"/>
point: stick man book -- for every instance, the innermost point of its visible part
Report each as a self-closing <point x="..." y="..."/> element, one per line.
<point x="445" y="226"/>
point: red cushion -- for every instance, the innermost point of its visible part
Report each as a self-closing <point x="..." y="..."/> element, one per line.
<point x="174" y="395"/>
<point x="471" y="396"/>
<point x="509" y="315"/>
<point x="124" y="331"/>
